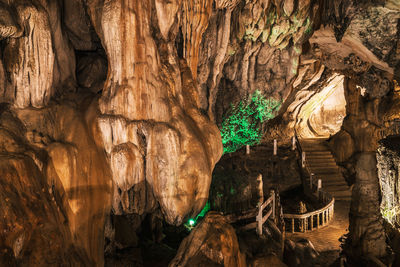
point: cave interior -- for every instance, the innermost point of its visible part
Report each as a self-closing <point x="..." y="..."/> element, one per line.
<point x="200" y="133"/>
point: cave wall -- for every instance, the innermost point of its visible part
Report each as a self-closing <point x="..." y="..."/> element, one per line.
<point x="371" y="102"/>
<point x="118" y="101"/>
<point x="388" y="172"/>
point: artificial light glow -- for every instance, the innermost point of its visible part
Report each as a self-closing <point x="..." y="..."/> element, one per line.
<point x="191" y="222"/>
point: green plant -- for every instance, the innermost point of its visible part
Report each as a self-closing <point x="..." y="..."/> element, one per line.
<point x="241" y="125"/>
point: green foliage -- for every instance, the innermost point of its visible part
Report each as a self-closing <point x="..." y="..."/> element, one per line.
<point x="241" y="125"/>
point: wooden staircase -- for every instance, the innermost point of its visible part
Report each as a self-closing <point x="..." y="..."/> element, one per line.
<point x="322" y="164"/>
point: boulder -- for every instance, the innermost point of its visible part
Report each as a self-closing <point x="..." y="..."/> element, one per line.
<point x="212" y="242"/>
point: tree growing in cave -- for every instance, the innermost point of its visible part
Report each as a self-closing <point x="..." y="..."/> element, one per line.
<point x="241" y="124"/>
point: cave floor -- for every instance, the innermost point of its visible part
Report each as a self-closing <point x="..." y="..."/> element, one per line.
<point x="326" y="239"/>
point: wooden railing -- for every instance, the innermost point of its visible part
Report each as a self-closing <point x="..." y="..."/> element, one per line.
<point x="258" y="213"/>
<point x="312" y="220"/>
<point x="313" y="188"/>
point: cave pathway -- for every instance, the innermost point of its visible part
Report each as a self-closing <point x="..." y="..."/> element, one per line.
<point x="321" y="162"/>
<point x="326" y="239"/>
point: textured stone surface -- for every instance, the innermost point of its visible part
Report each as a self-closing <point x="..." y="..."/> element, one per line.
<point x="75" y="168"/>
<point x="36" y="221"/>
<point x="364" y="211"/>
<point x="150" y="111"/>
<point x="39" y="61"/>
<point x="212" y="243"/>
<point x="260" y="53"/>
<point x="388" y="159"/>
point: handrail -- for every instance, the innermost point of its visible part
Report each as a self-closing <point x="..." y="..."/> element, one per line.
<point x="323" y="217"/>
<point x="302" y="157"/>
<point x="260" y="218"/>
<point x="311" y="213"/>
<point x="326" y="213"/>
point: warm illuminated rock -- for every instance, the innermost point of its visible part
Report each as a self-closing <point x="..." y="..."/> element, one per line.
<point x="150" y="116"/>
<point x="213" y="241"/>
<point x="38" y="61"/>
<point x="75" y="170"/>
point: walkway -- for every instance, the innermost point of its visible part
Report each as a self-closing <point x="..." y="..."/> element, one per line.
<point x="326" y="239"/>
<point x="322" y="163"/>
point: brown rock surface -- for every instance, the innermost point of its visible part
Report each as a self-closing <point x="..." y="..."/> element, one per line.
<point x="150" y="116"/>
<point x="212" y="243"/>
<point x="38" y="225"/>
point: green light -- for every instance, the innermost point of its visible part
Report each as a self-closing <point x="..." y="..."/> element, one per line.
<point x="192" y="222"/>
<point x="241" y="125"/>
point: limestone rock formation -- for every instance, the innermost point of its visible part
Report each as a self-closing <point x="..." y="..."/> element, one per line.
<point x="38" y="61"/>
<point x="213" y="242"/>
<point x="150" y="115"/>
<point x="388" y="164"/>
<point x="44" y="223"/>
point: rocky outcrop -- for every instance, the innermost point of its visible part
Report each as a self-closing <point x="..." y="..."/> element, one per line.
<point x="388" y="159"/>
<point x="75" y="168"/>
<point x="360" y="132"/>
<point x="213" y="242"/>
<point x="50" y="197"/>
<point x="150" y="117"/>
<point x="38" y="61"/>
<point x="260" y="53"/>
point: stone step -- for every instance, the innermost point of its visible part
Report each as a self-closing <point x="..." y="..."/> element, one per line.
<point x="339" y="182"/>
<point x="320" y="174"/>
<point x="343" y="198"/>
<point x="312" y="158"/>
<point x="319" y="156"/>
<point x="336" y="192"/>
<point x="339" y="195"/>
<point x="328" y="176"/>
<point x="319" y="160"/>
<point x="322" y="165"/>
<point x="325" y="173"/>
<point x="317" y="151"/>
<point x="330" y="184"/>
<point x="335" y="188"/>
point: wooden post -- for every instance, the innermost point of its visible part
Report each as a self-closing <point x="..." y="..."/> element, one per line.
<point x="306" y="224"/>
<point x="312" y="222"/>
<point x="319" y="186"/>
<point x="311" y="181"/>
<point x="292" y="225"/>
<point x="247" y="150"/>
<point x="293" y="143"/>
<point x="303" y="159"/>
<point x="259" y="221"/>
<point x="260" y="190"/>
<point x="275" y="147"/>
<point x="317" y="220"/>
<point x="328" y="214"/>
<point x="273" y="203"/>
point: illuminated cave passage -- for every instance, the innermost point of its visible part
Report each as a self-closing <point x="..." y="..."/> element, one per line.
<point x="199" y="133"/>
